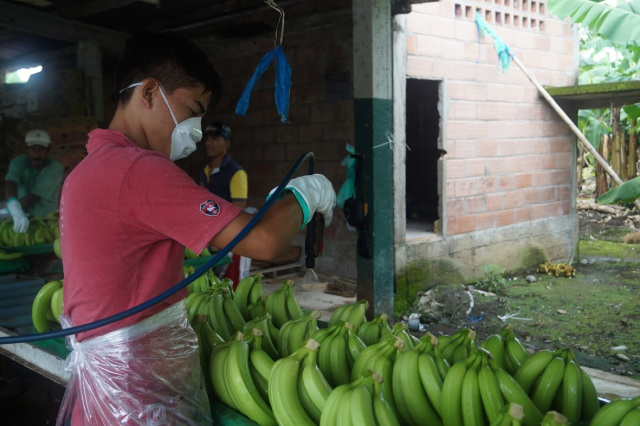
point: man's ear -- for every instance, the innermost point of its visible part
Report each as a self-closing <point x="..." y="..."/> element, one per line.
<point x="148" y="90"/>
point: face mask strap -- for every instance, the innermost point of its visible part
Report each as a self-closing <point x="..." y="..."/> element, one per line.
<point x="168" y="106"/>
<point x="130" y="86"/>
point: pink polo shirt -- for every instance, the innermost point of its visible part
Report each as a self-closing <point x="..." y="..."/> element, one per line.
<point x="126" y="215"/>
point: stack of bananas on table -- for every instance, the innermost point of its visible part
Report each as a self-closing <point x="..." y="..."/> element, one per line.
<point x="47" y="306"/>
<point x="41" y="230"/>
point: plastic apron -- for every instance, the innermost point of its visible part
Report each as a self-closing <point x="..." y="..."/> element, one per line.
<point x="144" y="374"/>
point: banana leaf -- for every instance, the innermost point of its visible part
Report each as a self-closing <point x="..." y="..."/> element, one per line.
<point x="620" y="24"/>
<point x="628" y="192"/>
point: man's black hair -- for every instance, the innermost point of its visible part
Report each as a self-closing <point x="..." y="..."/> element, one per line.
<point x="169" y="58"/>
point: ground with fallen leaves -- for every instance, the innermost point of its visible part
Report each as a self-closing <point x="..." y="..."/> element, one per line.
<point x="596" y="313"/>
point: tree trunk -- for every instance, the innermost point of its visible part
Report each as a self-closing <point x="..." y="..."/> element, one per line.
<point x="616" y="153"/>
<point x="580" y="165"/>
<point x="601" y="176"/>
<point x="633" y="154"/>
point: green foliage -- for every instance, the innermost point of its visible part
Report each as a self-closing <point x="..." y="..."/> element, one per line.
<point x="493" y="279"/>
<point x="628" y="192"/>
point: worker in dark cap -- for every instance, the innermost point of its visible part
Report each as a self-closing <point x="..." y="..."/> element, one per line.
<point x="222" y="175"/>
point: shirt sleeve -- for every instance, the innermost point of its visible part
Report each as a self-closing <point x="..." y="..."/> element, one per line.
<point x="239" y="186"/>
<point x="48" y="181"/>
<point x="15" y="169"/>
<point x="158" y="200"/>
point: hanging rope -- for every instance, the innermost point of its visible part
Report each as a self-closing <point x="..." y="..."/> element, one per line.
<point x="280" y="24"/>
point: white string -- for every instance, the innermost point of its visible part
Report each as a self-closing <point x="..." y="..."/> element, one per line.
<point x="390" y="141"/>
<point x="280" y="24"/>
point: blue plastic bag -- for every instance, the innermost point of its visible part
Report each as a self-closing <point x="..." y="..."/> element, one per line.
<point x="283" y="83"/>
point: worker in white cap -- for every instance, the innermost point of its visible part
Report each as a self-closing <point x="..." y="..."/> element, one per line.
<point x="32" y="184"/>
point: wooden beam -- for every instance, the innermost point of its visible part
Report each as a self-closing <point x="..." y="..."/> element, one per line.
<point x="25" y="19"/>
<point x="95" y="7"/>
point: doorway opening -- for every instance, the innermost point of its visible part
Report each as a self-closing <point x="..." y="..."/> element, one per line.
<point x="423" y="134"/>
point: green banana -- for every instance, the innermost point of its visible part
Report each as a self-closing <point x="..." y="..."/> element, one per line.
<point x="56" y="304"/>
<point x="515" y="352"/>
<point x="571" y="392"/>
<point x="42" y="306"/>
<point x="452" y="393"/>
<point x="268" y="340"/>
<point x="312" y="383"/>
<point x="294" y="311"/>
<point x="448" y="345"/>
<point x="492" y="399"/>
<point x="283" y="391"/>
<point x="217" y="366"/>
<point x="384" y="414"/>
<point x="356" y="314"/>
<point x="632" y="418"/>
<point x="256" y="289"/>
<point x="339" y="357"/>
<point x="354" y="344"/>
<point x="590" y="402"/>
<point x="513" y="392"/>
<point x="232" y="312"/>
<point x="241" y="386"/>
<point x="338" y="314"/>
<point x="431" y="380"/>
<point x="409" y="394"/>
<point x="371" y="331"/>
<point x="10" y="255"/>
<point x="215" y="305"/>
<point x="256" y="308"/>
<point x="241" y="294"/>
<point x="361" y="403"/>
<point x="612" y="413"/>
<point x="495" y="345"/>
<point x="330" y="412"/>
<point x="544" y="390"/>
<point x="532" y="368"/>
<point x="471" y="401"/>
<point x="276" y="305"/>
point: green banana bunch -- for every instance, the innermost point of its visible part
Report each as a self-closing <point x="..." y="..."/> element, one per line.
<point x="41" y="309"/>
<point x="38" y="232"/>
<point x="352" y="313"/>
<point x="553" y="418"/>
<point x="270" y="334"/>
<point x="458" y="346"/>
<point x="313" y="387"/>
<point x="189" y="254"/>
<point x="248" y="291"/>
<point x="617" y="413"/>
<point x="207" y="340"/>
<point x="339" y="350"/>
<point x="56" y="248"/>
<point x="494" y="344"/>
<point x="512" y="415"/>
<point x="218" y="305"/>
<point x="282" y="304"/>
<point x="295" y="332"/>
<point x="359" y="403"/>
<point x="232" y="381"/>
<point x="412" y="400"/>
<point x="380" y="358"/>
<point x="370" y="332"/>
<point x="284" y="397"/>
<point x="56" y="304"/>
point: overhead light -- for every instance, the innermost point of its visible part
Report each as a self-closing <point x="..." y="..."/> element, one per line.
<point x="21" y="75"/>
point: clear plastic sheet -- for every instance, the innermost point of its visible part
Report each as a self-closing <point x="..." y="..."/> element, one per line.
<point x="145" y="374"/>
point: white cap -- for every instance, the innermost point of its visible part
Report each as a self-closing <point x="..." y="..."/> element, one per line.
<point x="37" y="137"/>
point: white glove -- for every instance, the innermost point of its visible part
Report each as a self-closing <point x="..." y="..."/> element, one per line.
<point x="20" y="220"/>
<point x="315" y="194"/>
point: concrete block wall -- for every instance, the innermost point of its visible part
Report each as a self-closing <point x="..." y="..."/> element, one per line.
<point x="509" y="156"/>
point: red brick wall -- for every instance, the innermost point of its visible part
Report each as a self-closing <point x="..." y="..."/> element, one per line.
<point x="508" y="153"/>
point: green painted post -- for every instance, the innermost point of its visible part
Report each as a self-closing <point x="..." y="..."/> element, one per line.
<point x="373" y="117"/>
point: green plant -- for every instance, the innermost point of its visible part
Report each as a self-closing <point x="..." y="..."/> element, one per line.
<point x="493" y="279"/>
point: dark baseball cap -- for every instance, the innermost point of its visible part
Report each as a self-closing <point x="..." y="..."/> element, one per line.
<point x="218" y="128"/>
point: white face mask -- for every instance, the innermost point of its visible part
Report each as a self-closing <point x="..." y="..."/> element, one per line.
<point x="185" y="135"/>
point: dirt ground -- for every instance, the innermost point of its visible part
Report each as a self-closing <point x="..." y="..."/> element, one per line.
<point x="596" y="313"/>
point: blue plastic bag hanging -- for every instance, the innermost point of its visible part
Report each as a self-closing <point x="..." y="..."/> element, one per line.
<point x="283" y="73"/>
<point x="348" y="189"/>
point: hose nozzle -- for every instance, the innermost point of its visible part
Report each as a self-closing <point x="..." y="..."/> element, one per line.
<point x="314" y="240"/>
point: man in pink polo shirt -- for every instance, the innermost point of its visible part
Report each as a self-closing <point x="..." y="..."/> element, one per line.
<point x="126" y="214"/>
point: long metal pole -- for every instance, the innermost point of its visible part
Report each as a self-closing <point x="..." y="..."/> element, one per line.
<point x="572" y="126"/>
